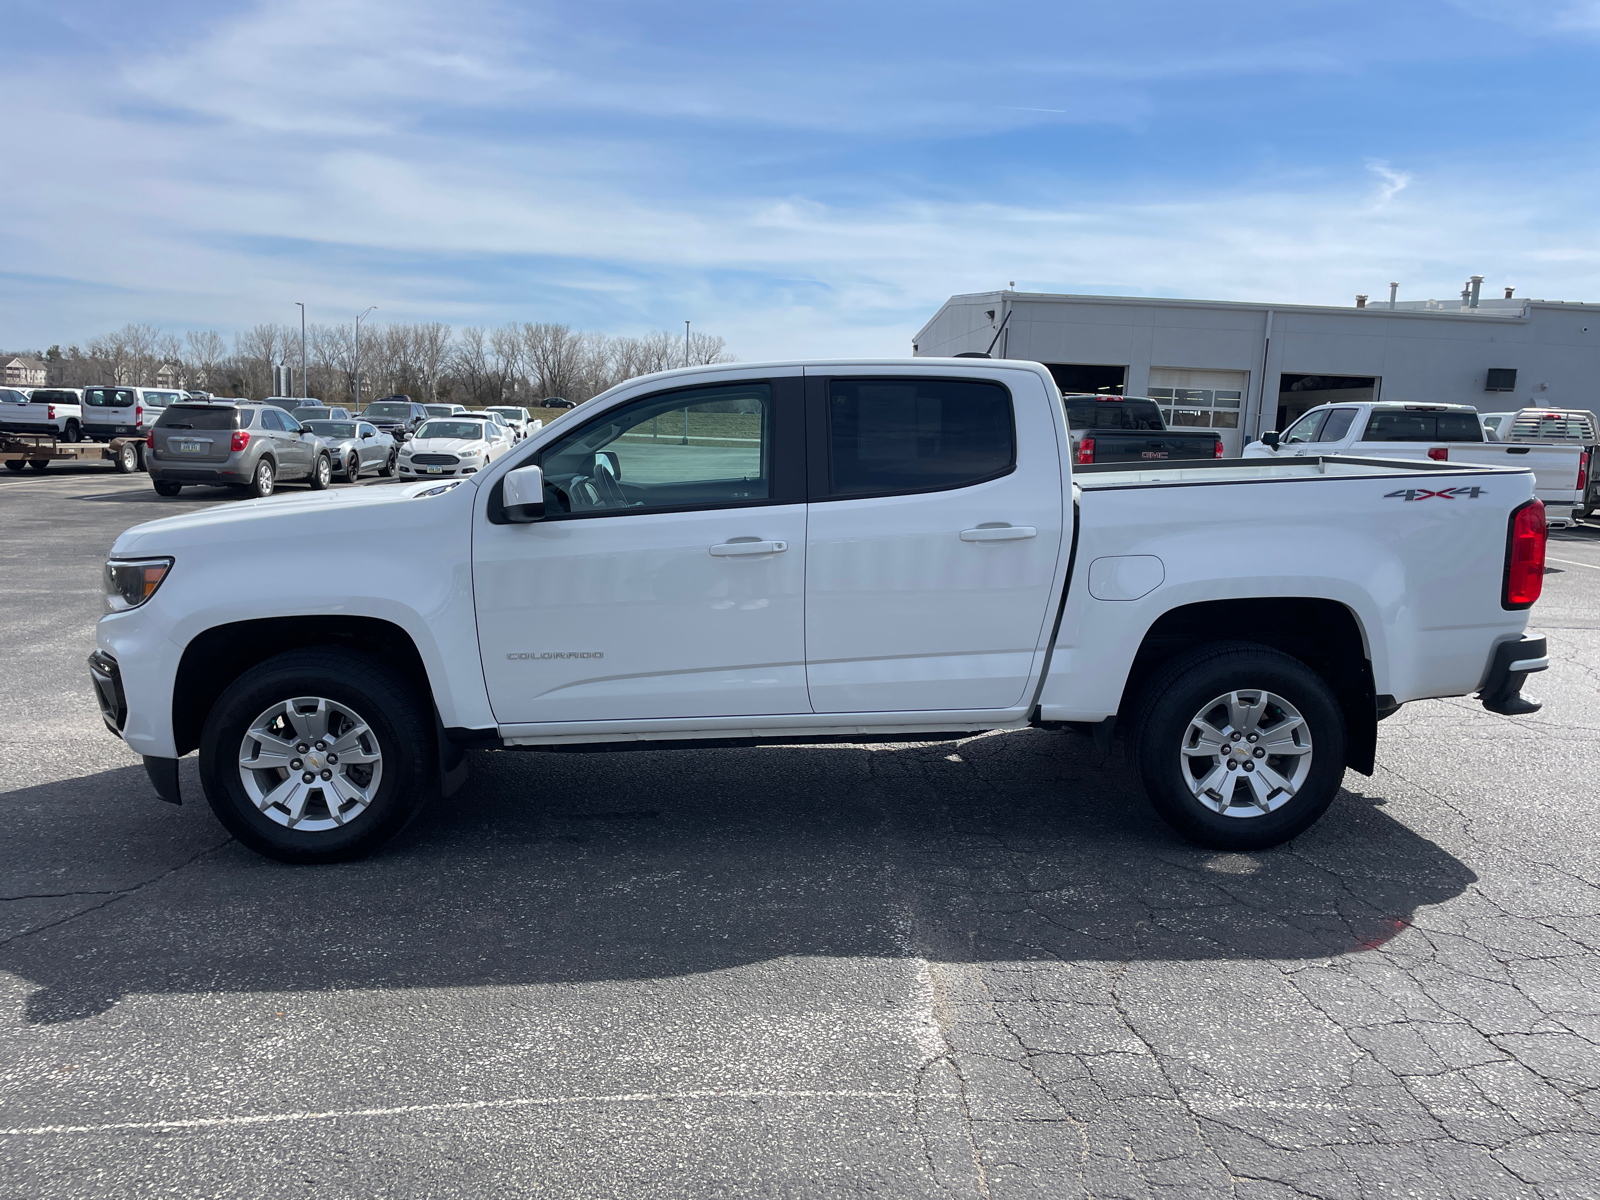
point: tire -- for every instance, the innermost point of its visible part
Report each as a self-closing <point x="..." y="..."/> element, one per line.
<point x="321" y="473"/>
<point x="127" y="459"/>
<point x="39" y="464"/>
<point x="72" y="433"/>
<point x="353" y="471"/>
<point x="167" y="487"/>
<point x="15" y="464"/>
<point x="1169" y="746"/>
<point x="139" y="449"/>
<point x="366" y="810"/>
<point x="264" y="479"/>
<point x="387" y="470"/>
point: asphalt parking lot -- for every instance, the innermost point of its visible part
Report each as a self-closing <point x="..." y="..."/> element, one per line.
<point x="975" y="969"/>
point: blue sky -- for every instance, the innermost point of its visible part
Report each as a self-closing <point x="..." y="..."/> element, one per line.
<point x="803" y="179"/>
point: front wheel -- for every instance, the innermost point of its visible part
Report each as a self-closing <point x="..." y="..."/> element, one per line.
<point x="1239" y="747"/>
<point x="321" y="474"/>
<point x="166" y="487"/>
<point x="387" y="470"/>
<point x="352" y="470"/>
<point x="317" y="755"/>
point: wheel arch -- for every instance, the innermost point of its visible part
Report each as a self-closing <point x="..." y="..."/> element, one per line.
<point x="214" y="658"/>
<point x="1324" y="634"/>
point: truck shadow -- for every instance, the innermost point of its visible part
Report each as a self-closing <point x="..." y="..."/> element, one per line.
<point x="574" y="868"/>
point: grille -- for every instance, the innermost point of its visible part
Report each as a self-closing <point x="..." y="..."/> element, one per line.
<point x="435" y="460"/>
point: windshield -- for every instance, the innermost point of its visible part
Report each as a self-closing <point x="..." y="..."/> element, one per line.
<point x="451" y="429"/>
<point x="332" y="429"/>
<point x="381" y="411"/>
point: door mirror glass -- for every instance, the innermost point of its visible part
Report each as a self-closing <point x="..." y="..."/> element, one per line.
<point x="1270" y="438"/>
<point x="523" y="495"/>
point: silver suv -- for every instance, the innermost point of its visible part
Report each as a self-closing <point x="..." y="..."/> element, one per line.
<point x="245" y="445"/>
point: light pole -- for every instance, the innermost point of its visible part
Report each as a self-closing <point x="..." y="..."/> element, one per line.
<point x="302" y="308"/>
<point x="371" y="308"/>
<point x="686" y="343"/>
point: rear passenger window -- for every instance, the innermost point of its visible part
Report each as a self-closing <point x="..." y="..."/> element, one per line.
<point x="269" y="419"/>
<point x="917" y="435"/>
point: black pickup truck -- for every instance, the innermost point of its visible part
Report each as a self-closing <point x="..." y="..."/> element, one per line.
<point x="1115" y="429"/>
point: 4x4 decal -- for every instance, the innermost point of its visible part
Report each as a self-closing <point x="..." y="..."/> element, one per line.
<point x="1455" y="493"/>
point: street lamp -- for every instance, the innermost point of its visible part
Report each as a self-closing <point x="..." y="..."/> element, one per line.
<point x="302" y="308"/>
<point x="371" y="308"/>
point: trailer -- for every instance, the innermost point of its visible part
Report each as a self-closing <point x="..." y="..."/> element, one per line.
<point x="39" y="450"/>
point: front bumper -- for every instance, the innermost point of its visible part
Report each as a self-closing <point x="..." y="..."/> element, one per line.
<point x="106" y="677"/>
<point x="1509" y="665"/>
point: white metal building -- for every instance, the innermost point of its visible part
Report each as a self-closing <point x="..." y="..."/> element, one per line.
<point x="1206" y="360"/>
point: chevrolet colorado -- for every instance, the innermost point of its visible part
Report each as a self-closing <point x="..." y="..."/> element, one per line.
<point x="802" y="552"/>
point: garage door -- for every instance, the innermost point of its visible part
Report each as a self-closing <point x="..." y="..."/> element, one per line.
<point x="1192" y="399"/>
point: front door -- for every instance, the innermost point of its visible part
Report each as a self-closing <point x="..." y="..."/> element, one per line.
<point x="667" y="578"/>
<point x="933" y="542"/>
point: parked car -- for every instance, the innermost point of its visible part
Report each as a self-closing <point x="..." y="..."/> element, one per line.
<point x="315" y="410"/>
<point x="496" y="429"/>
<point x="556" y="402"/>
<point x="398" y="418"/>
<point x="922" y="577"/>
<point x="1492" y="424"/>
<point x="115" y="410"/>
<point x="57" y="412"/>
<point x="1113" y="429"/>
<point x="517" y="418"/>
<point x="357" y="446"/>
<point x="1441" y="432"/>
<point x="249" y="445"/>
<point x="1563" y="427"/>
<point x="446" y="410"/>
<point x="448" y="447"/>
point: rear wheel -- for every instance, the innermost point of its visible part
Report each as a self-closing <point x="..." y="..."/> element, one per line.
<point x="167" y="487"/>
<point x="321" y="473"/>
<point x="1239" y="747"/>
<point x="72" y="433"/>
<point x="263" y="481"/>
<point x="127" y="458"/>
<point x="39" y="464"/>
<point x="15" y="464"/>
<point x="317" y="755"/>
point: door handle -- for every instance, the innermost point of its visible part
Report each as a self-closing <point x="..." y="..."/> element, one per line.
<point x="999" y="533"/>
<point x="745" y="549"/>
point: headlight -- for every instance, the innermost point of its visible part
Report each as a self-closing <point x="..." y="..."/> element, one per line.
<point x="405" y="451"/>
<point x="132" y="581"/>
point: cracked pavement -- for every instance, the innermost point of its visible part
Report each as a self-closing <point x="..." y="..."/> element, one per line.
<point x="969" y="969"/>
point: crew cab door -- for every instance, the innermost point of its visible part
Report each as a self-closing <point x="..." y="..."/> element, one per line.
<point x="667" y="578"/>
<point x="934" y="538"/>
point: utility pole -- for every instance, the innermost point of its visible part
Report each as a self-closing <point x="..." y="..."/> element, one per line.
<point x="686" y="343"/>
<point x="302" y="308"/>
<point x="372" y="308"/>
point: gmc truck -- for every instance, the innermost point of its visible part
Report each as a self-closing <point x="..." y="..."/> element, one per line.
<point x="1114" y="429"/>
<point x="875" y="551"/>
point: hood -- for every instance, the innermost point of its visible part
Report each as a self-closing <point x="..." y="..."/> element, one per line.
<point x="317" y="515"/>
<point x="447" y="445"/>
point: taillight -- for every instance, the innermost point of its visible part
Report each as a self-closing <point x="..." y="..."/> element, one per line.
<point x="1524" y="578"/>
<point x="138" y="414"/>
<point x="50" y="412"/>
<point x="1216" y="451"/>
<point x="1440" y="454"/>
<point x="241" y="439"/>
<point x="1085" y="451"/>
<point x="150" y="442"/>
<point x="1583" y="472"/>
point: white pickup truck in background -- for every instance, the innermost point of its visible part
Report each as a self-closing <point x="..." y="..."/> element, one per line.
<point x="896" y="550"/>
<point x="1440" y="432"/>
<point x="57" y="412"/>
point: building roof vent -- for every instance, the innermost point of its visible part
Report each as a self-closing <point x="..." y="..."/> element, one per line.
<point x="1361" y="301"/>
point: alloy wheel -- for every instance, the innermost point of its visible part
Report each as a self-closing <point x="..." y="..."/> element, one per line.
<point x="310" y="763"/>
<point x="1246" y="753"/>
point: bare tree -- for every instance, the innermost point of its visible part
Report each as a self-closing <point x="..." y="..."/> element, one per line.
<point x="206" y="352"/>
<point x="552" y="355"/>
<point x="704" y="349"/>
<point x="430" y="346"/>
<point x="258" y="350"/>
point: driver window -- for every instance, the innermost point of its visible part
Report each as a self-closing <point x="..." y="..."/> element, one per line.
<point x="290" y="422"/>
<point x="699" y="448"/>
<point x="1305" y="429"/>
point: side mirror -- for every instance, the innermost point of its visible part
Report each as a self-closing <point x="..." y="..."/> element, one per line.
<point x="1270" y="438"/>
<point x="607" y="460"/>
<point x="523" y="495"/>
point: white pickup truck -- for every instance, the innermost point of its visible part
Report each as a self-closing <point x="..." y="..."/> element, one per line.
<point x="57" y="412"/>
<point x="804" y="552"/>
<point x="1441" y="432"/>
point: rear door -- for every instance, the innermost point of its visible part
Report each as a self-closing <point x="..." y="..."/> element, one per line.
<point x="933" y="538"/>
<point x="110" y="411"/>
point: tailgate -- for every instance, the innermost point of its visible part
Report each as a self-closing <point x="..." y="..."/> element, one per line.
<point x="1555" y="468"/>
<point x="1118" y="446"/>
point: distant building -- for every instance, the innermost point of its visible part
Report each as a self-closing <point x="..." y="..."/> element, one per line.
<point x="1245" y="368"/>
<point x="170" y="375"/>
<point x="21" y="371"/>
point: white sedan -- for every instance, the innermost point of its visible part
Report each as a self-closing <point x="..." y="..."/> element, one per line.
<point x="447" y="446"/>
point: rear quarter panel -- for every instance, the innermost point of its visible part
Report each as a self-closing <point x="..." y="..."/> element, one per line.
<point x="1421" y="576"/>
